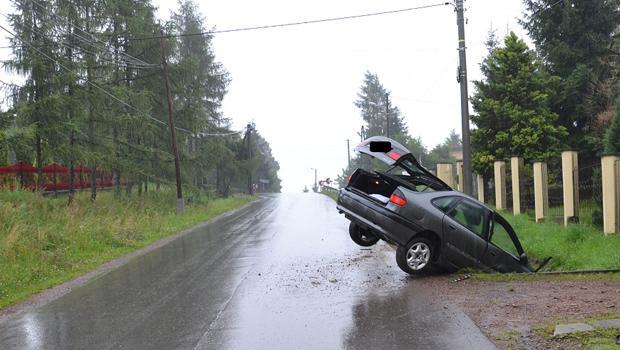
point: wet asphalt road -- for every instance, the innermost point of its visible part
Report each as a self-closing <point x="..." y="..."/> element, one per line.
<point x="280" y="274"/>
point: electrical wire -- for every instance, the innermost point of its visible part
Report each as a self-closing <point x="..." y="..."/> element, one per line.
<point x="290" y="24"/>
<point x="78" y="48"/>
<point x="136" y="60"/>
<point x="106" y="92"/>
<point x="541" y="10"/>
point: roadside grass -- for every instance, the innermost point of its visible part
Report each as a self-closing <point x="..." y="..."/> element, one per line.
<point x="580" y="246"/>
<point x="526" y="277"/>
<point x="44" y="242"/>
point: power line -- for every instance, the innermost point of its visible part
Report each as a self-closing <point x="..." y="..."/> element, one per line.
<point x="290" y="24"/>
<point x="136" y="60"/>
<point x="541" y="10"/>
<point x="103" y="58"/>
<point x="109" y="94"/>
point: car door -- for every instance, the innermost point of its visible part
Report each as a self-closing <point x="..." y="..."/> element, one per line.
<point x="504" y="251"/>
<point x="465" y="228"/>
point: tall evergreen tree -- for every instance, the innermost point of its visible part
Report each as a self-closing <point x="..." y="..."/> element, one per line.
<point x="513" y="114"/>
<point x="612" y="136"/>
<point x="372" y="102"/>
<point x="575" y="37"/>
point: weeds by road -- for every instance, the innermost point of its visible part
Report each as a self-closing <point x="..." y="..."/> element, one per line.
<point x="576" y="247"/>
<point x="44" y="242"/>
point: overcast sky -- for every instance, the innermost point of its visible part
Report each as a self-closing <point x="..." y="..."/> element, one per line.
<point x="298" y="84"/>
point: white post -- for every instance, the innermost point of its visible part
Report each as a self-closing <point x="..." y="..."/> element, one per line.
<point x="499" y="168"/>
<point x="516" y="166"/>
<point x="541" y="191"/>
<point x="570" y="186"/>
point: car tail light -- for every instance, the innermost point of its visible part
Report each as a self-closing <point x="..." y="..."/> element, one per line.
<point x="350" y="176"/>
<point x="398" y="200"/>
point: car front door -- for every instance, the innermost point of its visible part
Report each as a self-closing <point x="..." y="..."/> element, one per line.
<point x="465" y="231"/>
<point x="504" y="248"/>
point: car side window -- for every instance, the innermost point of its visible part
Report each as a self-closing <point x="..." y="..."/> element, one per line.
<point x="501" y="238"/>
<point x="469" y="215"/>
<point x="443" y="203"/>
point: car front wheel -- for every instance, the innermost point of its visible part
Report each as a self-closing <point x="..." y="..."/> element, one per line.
<point x="416" y="257"/>
<point x="361" y="237"/>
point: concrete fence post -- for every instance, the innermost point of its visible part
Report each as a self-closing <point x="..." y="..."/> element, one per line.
<point x="499" y="168"/>
<point x="444" y="172"/>
<point x="480" y="182"/>
<point x="610" y="171"/>
<point x="459" y="174"/>
<point x="541" y="190"/>
<point x="516" y="170"/>
<point x="570" y="186"/>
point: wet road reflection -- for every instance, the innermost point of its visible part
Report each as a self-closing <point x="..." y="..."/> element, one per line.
<point x="281" y="273"/>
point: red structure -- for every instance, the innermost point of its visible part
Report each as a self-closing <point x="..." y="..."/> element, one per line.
<point x="55" y="177"/>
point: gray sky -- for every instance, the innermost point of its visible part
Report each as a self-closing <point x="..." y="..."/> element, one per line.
<point x="298" y="84"/>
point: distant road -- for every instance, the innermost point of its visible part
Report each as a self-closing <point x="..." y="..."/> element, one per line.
<point x="280" y="274"/>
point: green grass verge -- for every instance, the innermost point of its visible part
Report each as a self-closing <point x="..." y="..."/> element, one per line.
<point x="576" y="247"/>
<point x="44" y="242"/>
<point x="521" y="277"/>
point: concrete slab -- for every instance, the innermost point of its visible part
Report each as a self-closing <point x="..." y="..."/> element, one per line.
<point x="572" y="328"/>
<point x="613" y="323"/>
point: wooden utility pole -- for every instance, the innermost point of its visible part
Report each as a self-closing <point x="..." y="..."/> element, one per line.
<point x="173" y="132"/>
<point x="348" y="152"/>
<point x="462" y="77"/>
<point x="387" y="114"/>
<point x="248" y="136"/>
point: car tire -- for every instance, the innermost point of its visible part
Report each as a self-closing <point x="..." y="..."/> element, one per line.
<point x="361" y="237"/>
<point x="416" y="257"/>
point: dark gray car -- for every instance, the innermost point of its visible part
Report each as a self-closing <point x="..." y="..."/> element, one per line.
<point x="431" y="224"/>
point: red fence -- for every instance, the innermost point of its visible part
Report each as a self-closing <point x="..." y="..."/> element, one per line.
<point x="55" y="177"/>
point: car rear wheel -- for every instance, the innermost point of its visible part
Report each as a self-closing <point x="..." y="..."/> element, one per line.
<point x="361" y="237"/>
<point x="416" y="257"/>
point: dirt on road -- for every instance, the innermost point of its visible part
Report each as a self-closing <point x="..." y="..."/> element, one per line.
<point x="520" y="314"/>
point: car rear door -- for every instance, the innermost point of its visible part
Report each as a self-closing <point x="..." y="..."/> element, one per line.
<point x="465" y="228"/>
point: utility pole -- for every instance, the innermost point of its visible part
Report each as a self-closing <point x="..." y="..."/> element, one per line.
<point x="248" y="135"/>
<point x="462" y="78"/>
<point x="387" y="114"/>
<point x="348" y="152"/>
<point x="315" y="188"/>
<point x="173" y="132"/>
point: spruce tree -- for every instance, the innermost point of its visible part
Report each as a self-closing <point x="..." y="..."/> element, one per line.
<point x="512" y="109"/>
<point x="612" y="136"/>
<point x="575" y="38"/>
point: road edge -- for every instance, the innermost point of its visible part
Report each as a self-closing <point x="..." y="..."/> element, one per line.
<point x="46" y="296"/>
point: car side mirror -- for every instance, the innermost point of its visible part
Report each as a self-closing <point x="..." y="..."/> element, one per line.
<point x="380" y="146"/>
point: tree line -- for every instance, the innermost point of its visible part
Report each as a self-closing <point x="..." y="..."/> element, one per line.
<point x="93" y="95"/>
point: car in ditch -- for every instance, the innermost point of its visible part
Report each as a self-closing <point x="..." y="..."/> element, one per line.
<point x="432" y="226"/>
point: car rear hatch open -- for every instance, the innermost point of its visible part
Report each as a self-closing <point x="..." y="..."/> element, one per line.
<point x="396" y="155"/>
